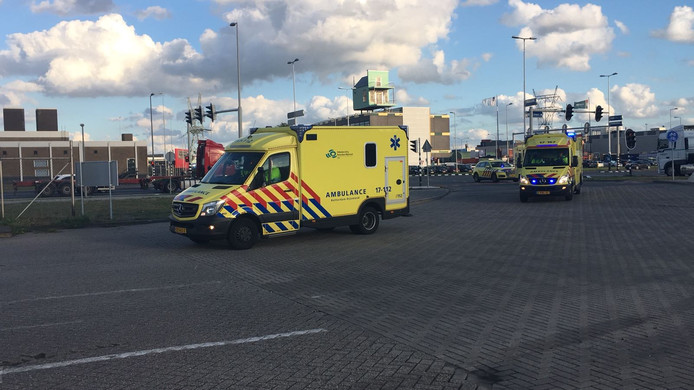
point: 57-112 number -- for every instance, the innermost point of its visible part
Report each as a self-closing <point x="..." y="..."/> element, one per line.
<point x="385" y="190"/>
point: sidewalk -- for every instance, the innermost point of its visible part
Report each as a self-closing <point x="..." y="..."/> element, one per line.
<point x="421" y="194"/>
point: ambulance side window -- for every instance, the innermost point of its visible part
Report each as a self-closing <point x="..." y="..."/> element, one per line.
<point x="370" y="155"/>
<point x="276" y="168"/>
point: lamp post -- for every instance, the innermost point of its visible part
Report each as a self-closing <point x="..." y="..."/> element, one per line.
<point x="680" y="118"/>
<point x="455" y="142"/>
<point x="81" y="178"/>
<point x="293" y="80"/>
<point x="523" y="108"/>
<point x="151" y="131"/>
<point x="671" y="110"/>
<point x="609" y="133"/>
<point x="238" y="74"/>
<point x="507" y="153"/>
<point x="345" y="88"/>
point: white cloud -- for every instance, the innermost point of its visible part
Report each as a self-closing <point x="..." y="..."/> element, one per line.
<point x="13" y="94"/>
<point x="681" y="27"/>
<point x="622" y="27"/>
<point x="72" y="7"/>
<point x="471" y="3"/>
<point x="156" y="12"/>
<point x="402" y="98"/>
<point x="486" y="57"/>
<point x="635" y="100"/>
<point x="103" y="58"/>
<point x="436" y="70"/>
<point x="567" y="36"/>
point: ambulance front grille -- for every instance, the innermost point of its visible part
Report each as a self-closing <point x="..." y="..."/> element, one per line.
<point x="184" y="210"/>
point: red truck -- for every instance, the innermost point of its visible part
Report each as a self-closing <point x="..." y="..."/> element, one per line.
<point x="208" y="152"/>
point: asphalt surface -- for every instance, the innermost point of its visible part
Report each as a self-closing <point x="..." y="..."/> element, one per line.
<point x="474" y="290"/>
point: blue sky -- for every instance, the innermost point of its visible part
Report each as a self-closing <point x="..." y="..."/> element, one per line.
<point x="97" y="61"/>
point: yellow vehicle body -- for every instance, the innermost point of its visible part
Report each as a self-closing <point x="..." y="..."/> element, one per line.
<point x="277" y="180"/>
<point x="551" y="165"/>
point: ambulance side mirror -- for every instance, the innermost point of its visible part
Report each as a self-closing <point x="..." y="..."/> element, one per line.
<point x="259" y="179"/>
<point x="574" y="161"/>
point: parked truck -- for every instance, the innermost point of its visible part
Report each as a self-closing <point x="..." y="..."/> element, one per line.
<point x="277" y="180"/>
<point x="208" y="152"/>
<point x="552" y="164"/>
<point x="678" y="151"/>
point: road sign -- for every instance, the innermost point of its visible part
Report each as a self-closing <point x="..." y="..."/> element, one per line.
<point x="614" y="118"/>
<point x="295" y="114"/>
<point x="427" y="147"/>
<point x="672" y="136"/>
<point x="170" y="157"/>
<point x="530" y="102"/>
<point x="581" y="104"/>
<point x="537" y="114"/>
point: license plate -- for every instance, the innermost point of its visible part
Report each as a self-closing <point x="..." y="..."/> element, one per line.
<point x="543" y="192"/>
<point x="179" y="230"/>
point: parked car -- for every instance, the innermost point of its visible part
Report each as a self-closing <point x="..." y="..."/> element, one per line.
<point x="637" y="164"/>
<point x="415" y="170"/>
<point x="590" y="164"/>
<point x="686" y="169"/>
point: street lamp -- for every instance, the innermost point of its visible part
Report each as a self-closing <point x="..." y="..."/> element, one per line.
<point x="238" y="74"/>
<point x="455" y="142"/>
<point x="671" y="110"/>
<point x="345" y="88"/>
<point x="507" y="127"/>
<point x="82" y="162"/>
<point x="293" y="81"/>
<point x="680" y="118"/>
<point x="523" y="109"/>
<point x="609" y="135"/>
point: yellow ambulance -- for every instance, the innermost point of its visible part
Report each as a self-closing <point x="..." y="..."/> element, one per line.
<point x="277" y="180"/>
<point x="552" y="164"/>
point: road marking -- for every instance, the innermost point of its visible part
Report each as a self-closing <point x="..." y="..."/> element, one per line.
<point x="41" y="325"/>
<point x="108" y="292"/>
<point x="145" y="352"/>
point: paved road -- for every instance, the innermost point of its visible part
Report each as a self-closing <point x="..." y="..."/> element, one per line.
<point x="475" y="290"/>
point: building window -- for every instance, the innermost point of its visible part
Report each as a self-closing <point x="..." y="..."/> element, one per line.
<point x="64" y="151"/>
<point x="36" y="152"/>
<point x="96" y="151"/>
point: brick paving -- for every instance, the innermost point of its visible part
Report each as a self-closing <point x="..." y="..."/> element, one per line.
<point x="475" y="290"/>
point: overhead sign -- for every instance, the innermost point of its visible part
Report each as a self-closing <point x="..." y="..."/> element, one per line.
<point x="427" y="147"/>
<point x="581" y="104"/>
<point x="530" y="102"/>
<point x="295" y="114"/>
<point x="537" y="114"/>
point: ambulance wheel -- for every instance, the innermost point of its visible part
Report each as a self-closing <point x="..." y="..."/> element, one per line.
<point x="243" y="234"/>
<point x="523" y="197"/>
<point x="570" y="194"/>
<point x="494" y="178"/>
<point x="368" y="222"/>
<point x="476" y="177"/>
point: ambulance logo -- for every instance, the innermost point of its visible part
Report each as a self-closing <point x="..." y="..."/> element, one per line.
<point x="395" y="142"/>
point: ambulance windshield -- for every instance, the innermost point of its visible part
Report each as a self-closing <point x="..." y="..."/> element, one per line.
<point x="233" y="168"/>
<point x="546" y="157"/>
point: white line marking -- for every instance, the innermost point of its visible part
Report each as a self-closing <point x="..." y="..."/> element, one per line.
<point x="41" y="325"/>
<point x="108" y="292"/>
<point x="126" y="355"/>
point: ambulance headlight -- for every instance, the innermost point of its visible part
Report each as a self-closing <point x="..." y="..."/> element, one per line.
<point x="211" y="208"/>
<point x="523" y="180"/>
<point x="564" y="179"/>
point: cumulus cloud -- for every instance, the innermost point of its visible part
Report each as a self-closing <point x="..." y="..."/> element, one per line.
<point x="436" y="70"/>
<point x="681" y="27"/>
<point x="72" y="7"/>
<point x="403" y="98"/>
<point x="103" y="58"/>
<point x="567" y="36"/>
<point x="471" y="3"/>
<point x="636" y="100"/>
<point x="156" y="12"/>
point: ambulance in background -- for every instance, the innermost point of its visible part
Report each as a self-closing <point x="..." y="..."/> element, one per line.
<point x="552" y="164"/>
<point x="277" y="180"/>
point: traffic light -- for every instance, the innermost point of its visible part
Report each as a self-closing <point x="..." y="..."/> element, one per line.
<point x="630" y="136"/>
<point x="198" y="114"/>
<point x="210" y="112"/>
<point x="598" y="113"/>
<point x="414" y="146"/>
<point x="569" y="112"/>
<point x="189" y="117"/>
